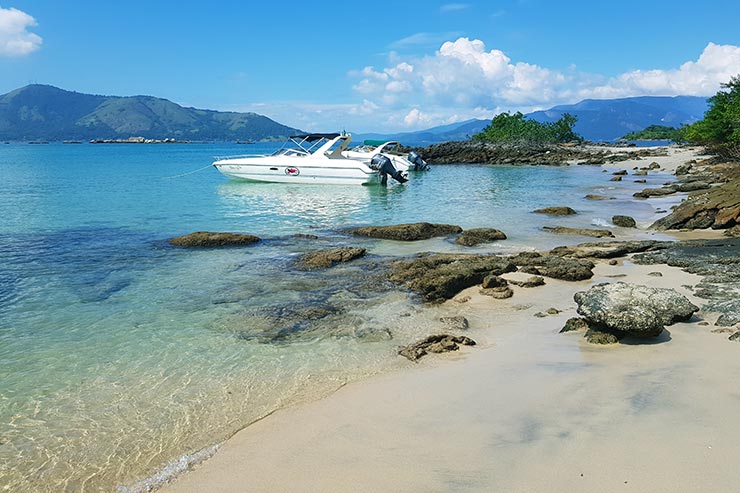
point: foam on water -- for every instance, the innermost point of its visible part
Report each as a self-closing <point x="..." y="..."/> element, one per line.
<point x="119" y="353"/>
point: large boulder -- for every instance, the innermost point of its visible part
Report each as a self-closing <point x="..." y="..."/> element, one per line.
<point x="208" y="239"/>
<point x="624" y="221"/>
<point x="322" y="259"/>
<point x="471" y="237"/>
<point x="407" y="232"/>
<point x="632" y="309"/>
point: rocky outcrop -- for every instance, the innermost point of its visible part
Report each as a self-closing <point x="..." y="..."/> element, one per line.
<point x="476" y="236"/>
<point x="654" y="192"/>
<point x="597" y="233"/>
<point x="641" y="311"/>
<point x="609" y="249"/>
<point x="624" y="221"/>
<point x="717" y="207"/>
<point x="553" y="266"/>
<point x="434" y="344"/>
<point x="556" y="211"/>
<point x="407" y="232"/>
<point x="322" y="259"/>
<point x="439" y="277"/>
<point x="207" y="239"/>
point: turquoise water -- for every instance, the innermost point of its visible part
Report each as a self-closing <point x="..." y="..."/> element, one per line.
<point x="120" y="354"/>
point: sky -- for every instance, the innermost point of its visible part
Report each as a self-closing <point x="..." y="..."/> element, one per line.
<point x="380" y="66"/>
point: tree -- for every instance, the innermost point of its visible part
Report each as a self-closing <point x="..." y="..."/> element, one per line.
<point x="721" y="124"/>
<point x="515" y="128"/>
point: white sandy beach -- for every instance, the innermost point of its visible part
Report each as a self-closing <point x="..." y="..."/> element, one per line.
<point x="528" y="409"/>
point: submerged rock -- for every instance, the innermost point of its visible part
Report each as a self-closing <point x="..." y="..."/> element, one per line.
<point x="322" y="259"/>
<point x="598" y="197"/>
<point x="633" y="309"/>
<point x="471" y="237"/>
<point x="208" y="239"/>
<point x="435" y="344"/>
<point x="457" y="322"/>
<point x="407" y="232"/>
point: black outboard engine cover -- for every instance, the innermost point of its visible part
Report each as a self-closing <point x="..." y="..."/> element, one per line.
<point x="419" y="164"/>
<point x="385" y="167"/>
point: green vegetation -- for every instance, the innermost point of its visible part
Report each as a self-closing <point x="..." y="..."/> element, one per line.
<point x="720" y="128"/>
<point x="657" y="132"/>
<point x="508" y="128"/>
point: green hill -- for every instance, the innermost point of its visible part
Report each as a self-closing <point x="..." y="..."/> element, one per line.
<point x="40" y="112"/>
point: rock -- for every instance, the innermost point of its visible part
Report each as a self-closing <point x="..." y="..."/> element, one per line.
<point x="566" y="269"/>
<point x="609" y="249"/>
<point x="207" y="239"/>
<point x="717" y="207"/>
<point x="684" y="169"/>
<point x="655" y="274"/>
<point x="641" y="172"/>
<point x="306" y="236"/>
<point x="457" y="322"/>
<point x="613" y="262"/>
<point x="475" y="236"/>
<point x="556" y="211"/>
<point x="530" y="282"/>
<point x="692" y="186"/>
<point x="724" y="330"/>
<point x="322" y="259"/>
<point x="493" y="281"/>
<point x="595" y="336"/>
<point x="624" y="221"/>
<point x="621" y="172"/>
<point x="500" y="293"/>
<point x="552" y="311"/>
<point x="435" y="344"/>
<point x="654" y="192"/>
<point x="616" y="178"/>
<point x="597" y="233"/>
<point x="407" y="232"/>
<point x="653" y="165"/>
<point x="373" y="334"/>
<point x="598" y="197"/>
<point x="573" y="324"/>
<point x="439" y="277"/>
<point x="540" y="315"/>
<point x="735" y="336"/>
<point x="728" y="320"/>
<point x="633" y="309"/>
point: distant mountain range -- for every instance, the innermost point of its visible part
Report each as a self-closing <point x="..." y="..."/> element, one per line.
<point x="598" y="119"/>
<point x="41" y="112"/>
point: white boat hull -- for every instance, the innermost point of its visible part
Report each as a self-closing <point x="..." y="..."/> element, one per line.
<point x="326" y="171"/>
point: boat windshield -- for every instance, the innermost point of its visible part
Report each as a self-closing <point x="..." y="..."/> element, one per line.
<point x="290" y="152"/>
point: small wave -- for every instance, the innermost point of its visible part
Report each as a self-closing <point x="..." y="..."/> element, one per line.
<point x="170" y="471"/>
<point x="598" y="221"/>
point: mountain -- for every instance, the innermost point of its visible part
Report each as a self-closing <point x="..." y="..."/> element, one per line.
<point x="598" y="119"/>
<point x="611" y="119"/>
<point x="443" y="133"/>
<point x="41" y="112"/>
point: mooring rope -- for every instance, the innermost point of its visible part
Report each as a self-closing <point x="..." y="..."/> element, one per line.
<point x="186" y="174"/>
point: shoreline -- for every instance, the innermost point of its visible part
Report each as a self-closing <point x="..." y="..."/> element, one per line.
<point x="370" y="432"/>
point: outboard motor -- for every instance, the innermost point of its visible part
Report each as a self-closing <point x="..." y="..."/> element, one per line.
<point x="419" y="164"/>
<point x="384" y="166"/>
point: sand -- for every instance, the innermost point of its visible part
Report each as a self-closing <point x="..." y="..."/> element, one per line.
<point x="528" y="409"/>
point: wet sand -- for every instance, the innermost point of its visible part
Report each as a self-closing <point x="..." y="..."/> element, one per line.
<point x="528" y="409"/>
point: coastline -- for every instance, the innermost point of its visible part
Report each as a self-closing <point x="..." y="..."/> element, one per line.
<point x="529" y="409"/>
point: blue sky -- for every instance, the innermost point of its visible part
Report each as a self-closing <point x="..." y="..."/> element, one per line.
<point x="371" y="66"/>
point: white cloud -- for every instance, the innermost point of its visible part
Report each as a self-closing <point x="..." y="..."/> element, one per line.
<point x="15" y="40"/>
<point x="465" y="79"/>
<point x="453" y="7"/>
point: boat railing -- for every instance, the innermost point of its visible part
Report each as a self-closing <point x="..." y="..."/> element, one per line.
<point x="238" y="156"/>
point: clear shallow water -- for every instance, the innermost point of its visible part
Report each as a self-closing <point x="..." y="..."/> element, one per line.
<point x="119" y="353"/>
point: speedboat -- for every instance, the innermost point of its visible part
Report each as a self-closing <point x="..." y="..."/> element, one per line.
<point x="390" y="149"/>
<point x="312" y="158"/>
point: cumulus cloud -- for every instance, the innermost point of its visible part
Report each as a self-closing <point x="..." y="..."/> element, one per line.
<point x="465" y="78"/>
<point x="15" y="39"/>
